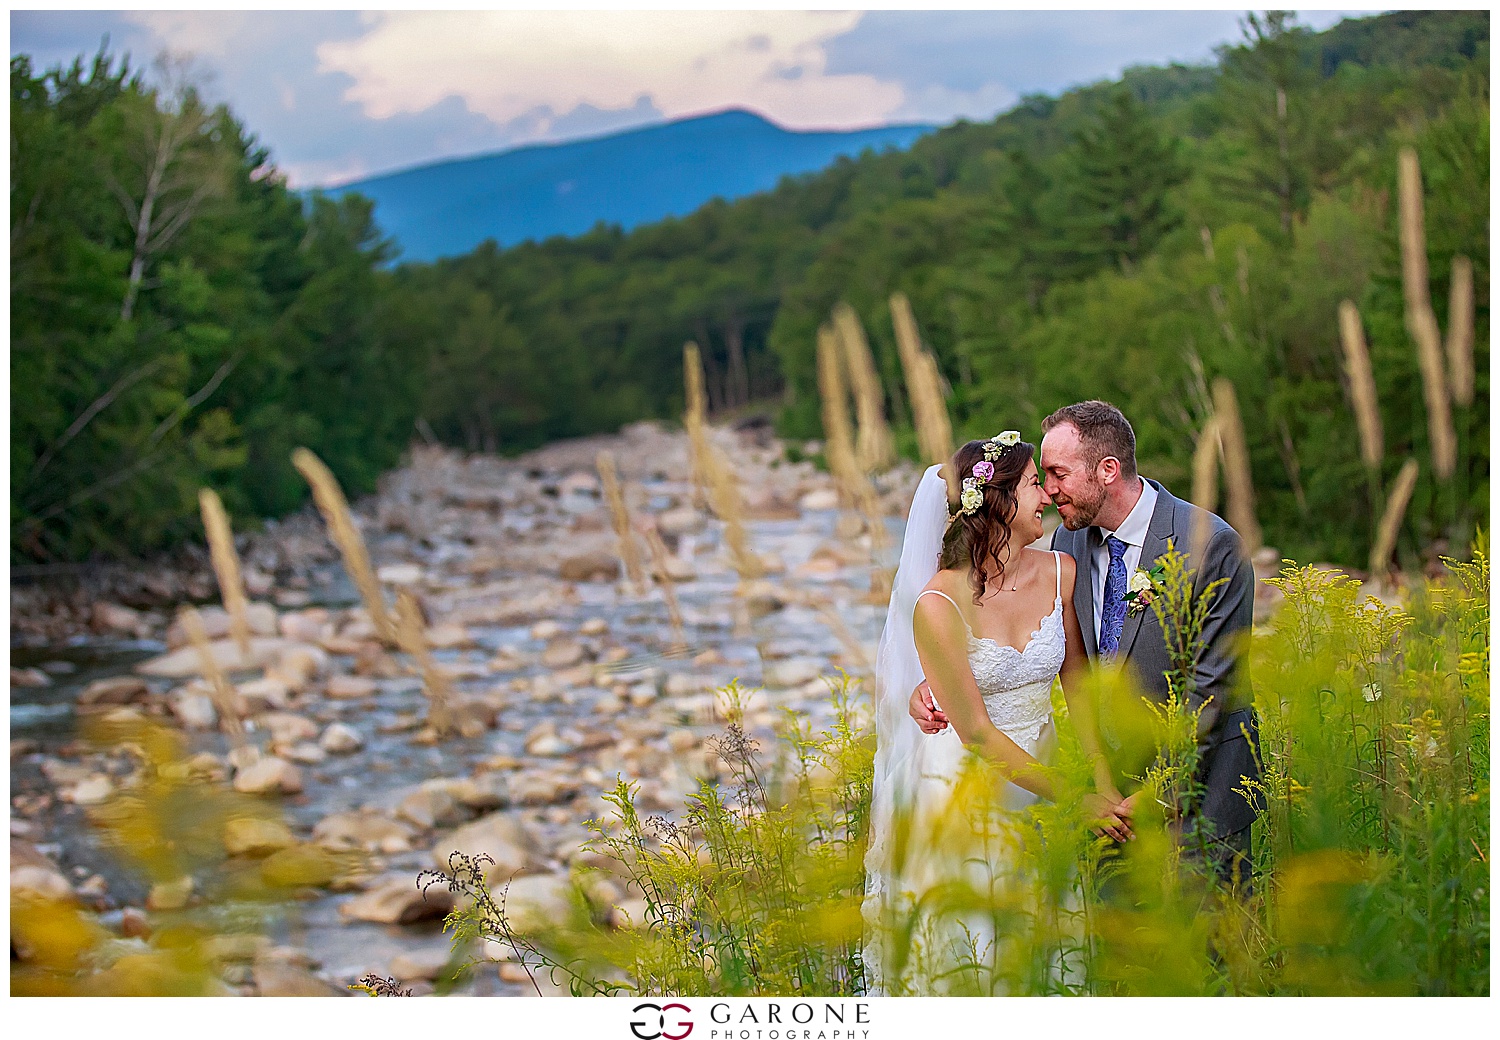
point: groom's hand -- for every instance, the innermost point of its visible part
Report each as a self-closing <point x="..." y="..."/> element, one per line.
<point x="1108" y="817"/>
<point x="929" y="717"/>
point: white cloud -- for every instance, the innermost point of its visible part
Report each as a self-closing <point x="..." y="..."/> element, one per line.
<point x="507" y="64"/>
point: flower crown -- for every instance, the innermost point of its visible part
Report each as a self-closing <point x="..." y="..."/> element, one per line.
<point x="972" y="496"/>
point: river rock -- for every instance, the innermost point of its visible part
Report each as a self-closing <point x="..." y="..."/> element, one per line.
<point x="483" y="791"/>
<point x="254" y="836"/>
<point x="112" y="617"/>
<point x="193" y="707"/>
<point x="339" y="739"/>
<point x="119" y="689"/>
<point x="499" y="835"/>
<point x="274" y="978"/>
<point x="426" y="964"/>
<point x="590" y="566"/>
<point x="673" y="523"/>
<point x="535" y="788"/>
<point x="429" y="807"/>
<point x="350" y="687"/>
<point x="795" y="672"/>
<point x="170" y="895"/>
<point x="535" y="901"/>
<point x="268" y="775"/>
<point x="93" y="790"/>
<point x="33" y="874"/>
<point x="396" y="899"/>
<point x="298" y="665"/>
<point x="819" y="499"/>
<point x="29" y="677"/>
<point x="305" y="626"/>
<point x="263" y="693"/>
<point x="595" y="626"/>
<point x="399" y="574"/>
<point x="366" y="830"/>
<point x="449" y="636"/>
<point x="305" y="753"/>
<point x="546" y="630"/>
<point x="184" y="662"/>
<point x="562" y="653"/>
<point x="288" y="728"/>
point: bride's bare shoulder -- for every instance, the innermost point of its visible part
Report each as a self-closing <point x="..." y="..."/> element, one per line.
<point x="950" y="581"/>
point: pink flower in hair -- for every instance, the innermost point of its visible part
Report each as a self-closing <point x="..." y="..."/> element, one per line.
<point x="984" y="470"/>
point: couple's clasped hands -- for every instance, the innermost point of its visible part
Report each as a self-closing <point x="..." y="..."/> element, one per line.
<point x="1107" y="807"/>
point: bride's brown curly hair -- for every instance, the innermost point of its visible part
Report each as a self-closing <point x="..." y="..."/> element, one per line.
<point x="981" y="539"/>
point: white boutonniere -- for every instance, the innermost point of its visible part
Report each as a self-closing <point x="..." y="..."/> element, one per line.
<point x="1143" y="588"/>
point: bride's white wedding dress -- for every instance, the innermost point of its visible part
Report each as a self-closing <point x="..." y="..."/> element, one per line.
<point x="919" y="840"/>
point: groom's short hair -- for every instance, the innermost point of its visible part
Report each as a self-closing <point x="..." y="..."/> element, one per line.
<point x="1102" y="428"/>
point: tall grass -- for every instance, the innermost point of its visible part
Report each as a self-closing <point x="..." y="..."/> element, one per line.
<point x="331" y="502"/>
<point x="226" y="564"/>
<point x="1371" y="841"/>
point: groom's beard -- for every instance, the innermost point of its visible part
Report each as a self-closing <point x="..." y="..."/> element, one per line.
<point x="1085" y="508"/>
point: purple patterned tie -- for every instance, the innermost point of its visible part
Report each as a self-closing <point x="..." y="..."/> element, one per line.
<point x="1112" y="616"/>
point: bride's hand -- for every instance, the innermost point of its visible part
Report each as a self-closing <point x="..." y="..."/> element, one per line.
<point x="1107" y="817"/>
<point x="929" y="717"/>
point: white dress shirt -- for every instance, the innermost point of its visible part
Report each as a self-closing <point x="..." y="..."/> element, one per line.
<point x="1133" y="533"/>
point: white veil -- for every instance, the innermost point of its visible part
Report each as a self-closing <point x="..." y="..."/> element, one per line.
<point x="904" y="755"/>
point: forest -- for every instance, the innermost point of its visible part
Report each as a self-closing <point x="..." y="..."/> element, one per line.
<point x="180" y="317"/>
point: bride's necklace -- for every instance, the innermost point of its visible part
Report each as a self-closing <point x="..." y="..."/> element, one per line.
<point x="1001" y="586"/>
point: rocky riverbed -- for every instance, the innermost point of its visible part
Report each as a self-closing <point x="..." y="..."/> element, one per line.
<point x="561" y="666"/>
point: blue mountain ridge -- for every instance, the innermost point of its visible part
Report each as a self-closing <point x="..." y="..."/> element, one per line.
<point x="628" y="178"/>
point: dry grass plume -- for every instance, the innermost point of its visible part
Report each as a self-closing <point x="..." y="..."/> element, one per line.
<point x="1361" y="386"/>
<point x="226" y="566"/>
<point x="923" y="386"/>
<point x="1390" y="520"/>
<point x="1421" y="323"/>
<point x="1238" y="485"/>
<point x="874" y="448"/>
<point x="619" y="517"/>
<point x="351" y="545"/>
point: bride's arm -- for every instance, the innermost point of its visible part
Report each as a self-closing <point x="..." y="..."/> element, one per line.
<point x="1081" y="707"/>
<point x="942" y="647"/>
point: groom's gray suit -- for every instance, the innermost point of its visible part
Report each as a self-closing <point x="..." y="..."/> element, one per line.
<point x="1227" y="732"/>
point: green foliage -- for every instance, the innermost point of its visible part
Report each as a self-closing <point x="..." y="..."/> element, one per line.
<point x="178" y="318"/>
<point x="1371" y="846"/>
<point x="1129" y="240"/>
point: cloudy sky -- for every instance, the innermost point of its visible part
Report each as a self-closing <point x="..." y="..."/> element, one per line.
<point x="338" y="95"/>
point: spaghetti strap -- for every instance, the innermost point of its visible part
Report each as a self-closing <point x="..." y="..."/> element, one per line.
<point x="1057" y="559"/>
<point x="936" y="592"/>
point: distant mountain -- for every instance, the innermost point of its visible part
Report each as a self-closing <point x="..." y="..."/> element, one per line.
<point x="628" y="178"/>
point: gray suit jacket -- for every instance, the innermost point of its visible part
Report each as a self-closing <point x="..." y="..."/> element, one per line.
<point x="1227" y="726"/>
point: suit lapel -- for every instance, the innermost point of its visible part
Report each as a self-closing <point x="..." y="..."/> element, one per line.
<point x="1157" y="534"/>
<point x="1083" y="588"/>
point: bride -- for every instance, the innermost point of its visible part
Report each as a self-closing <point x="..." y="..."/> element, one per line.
<point x="989" y="624"/>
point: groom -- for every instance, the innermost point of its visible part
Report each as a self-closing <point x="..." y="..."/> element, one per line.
<point x="1115" y="522"/>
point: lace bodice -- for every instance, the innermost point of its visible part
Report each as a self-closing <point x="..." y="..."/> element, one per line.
<point x="1017" y="684"/>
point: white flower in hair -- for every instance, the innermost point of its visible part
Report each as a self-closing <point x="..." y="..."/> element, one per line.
<point x="1009" y="437"/>
<point x="972" y="497"/>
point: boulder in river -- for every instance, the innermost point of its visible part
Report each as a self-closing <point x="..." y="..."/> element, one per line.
<point x="364" y="829"/>
<point x="340" y="739"/>
<point x="185" y="662"/>
<point x="598" y="565"/>
<point x="396" y="899"/>
<point x="501" y="836"/>
<point x="268" y="775"/>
